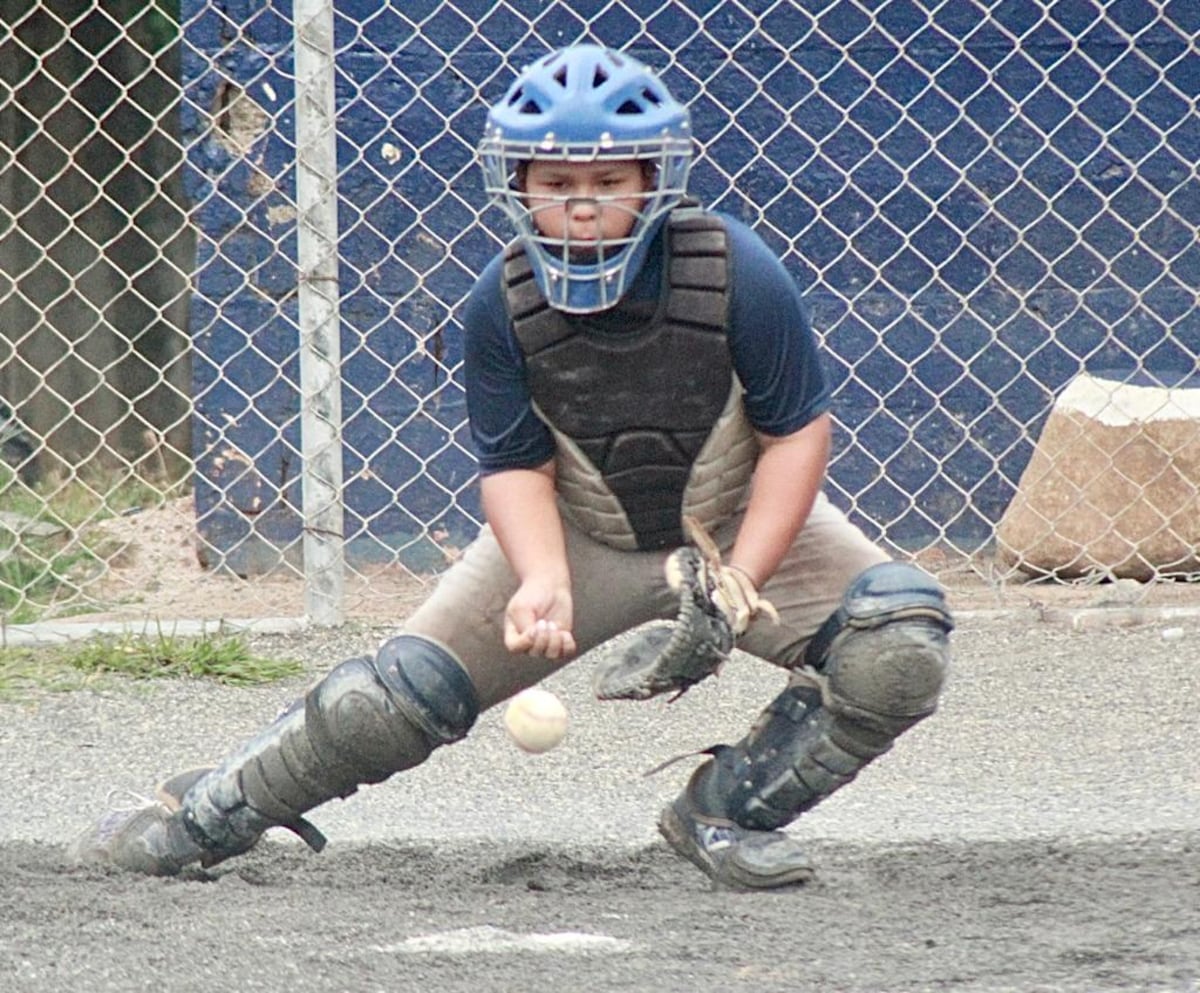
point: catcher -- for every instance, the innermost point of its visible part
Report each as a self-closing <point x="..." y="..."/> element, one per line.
<point x="651" y="420"/>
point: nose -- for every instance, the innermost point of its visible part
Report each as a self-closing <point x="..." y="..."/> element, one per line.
<point x="581" y="208"/>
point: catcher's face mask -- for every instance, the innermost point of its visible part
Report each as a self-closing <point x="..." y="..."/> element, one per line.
<point x="585" y="210"/>
<point x="586" y="153"/>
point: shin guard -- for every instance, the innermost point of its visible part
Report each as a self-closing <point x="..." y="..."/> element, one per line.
<point x="873" y="670"/>
<point x="367" y="719"/>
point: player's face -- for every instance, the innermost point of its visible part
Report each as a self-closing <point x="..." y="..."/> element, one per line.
<point x="584" y="203"/>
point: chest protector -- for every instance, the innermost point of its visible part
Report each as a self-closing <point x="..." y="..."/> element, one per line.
<point x="648" y="419"/>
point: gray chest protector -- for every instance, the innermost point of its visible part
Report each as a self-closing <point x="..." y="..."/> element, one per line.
<point x="648" y="418"/>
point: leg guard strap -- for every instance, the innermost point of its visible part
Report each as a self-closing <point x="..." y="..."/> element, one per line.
<point x="797" y="753"/>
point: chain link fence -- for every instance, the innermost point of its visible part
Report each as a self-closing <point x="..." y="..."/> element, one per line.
<point x="234" y="236"/>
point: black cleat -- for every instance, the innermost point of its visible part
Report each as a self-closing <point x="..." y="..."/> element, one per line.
<point x="733" y="856"/>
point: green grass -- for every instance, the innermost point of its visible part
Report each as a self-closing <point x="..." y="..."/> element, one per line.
<point x="105" y="661"/>
<point x="50" y="558"/>
<point x="33" y="580"/>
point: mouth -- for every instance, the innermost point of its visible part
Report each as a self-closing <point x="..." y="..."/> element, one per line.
<point x="584" y="254"/>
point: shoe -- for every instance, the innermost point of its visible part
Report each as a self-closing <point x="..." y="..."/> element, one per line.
<point x="170" y="792"/>
<point x="733" y="856"/>
<point x="146" y="838"/>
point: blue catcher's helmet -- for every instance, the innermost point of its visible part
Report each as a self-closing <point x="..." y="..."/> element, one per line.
<point x="587" y="104"/>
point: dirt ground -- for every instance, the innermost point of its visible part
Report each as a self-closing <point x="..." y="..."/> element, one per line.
<point x="155" y="573"/>
<point x="1040" y="834"/>
<point x="1023" y="916"/>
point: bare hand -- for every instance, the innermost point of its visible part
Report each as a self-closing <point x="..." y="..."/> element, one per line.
<point x="538" y="621"/>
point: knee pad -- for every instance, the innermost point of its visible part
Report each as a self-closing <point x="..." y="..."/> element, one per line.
<point x="378" y="716"/>
<point x="881" y="595"/>
<point x="430" y="685"/>
<point x="885" y="650"/>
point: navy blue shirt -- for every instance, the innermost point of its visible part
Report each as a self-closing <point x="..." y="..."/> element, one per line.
<point x="771" y="341"/>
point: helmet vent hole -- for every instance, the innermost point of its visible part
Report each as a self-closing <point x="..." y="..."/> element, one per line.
<point x="599" y="77"/>
<point x="629" y="107"/>
<point x="524" y="104"/>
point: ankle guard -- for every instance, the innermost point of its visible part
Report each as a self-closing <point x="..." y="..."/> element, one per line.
<point x="874" y="669"/>
<point x="367" y="719"/>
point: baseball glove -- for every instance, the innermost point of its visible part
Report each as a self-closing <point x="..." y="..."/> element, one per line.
<point x="672" y="656"/>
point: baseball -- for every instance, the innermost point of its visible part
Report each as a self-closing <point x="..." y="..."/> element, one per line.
<point x="536" y="720"/>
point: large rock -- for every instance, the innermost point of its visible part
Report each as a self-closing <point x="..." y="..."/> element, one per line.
<point x="1113" y="487"/>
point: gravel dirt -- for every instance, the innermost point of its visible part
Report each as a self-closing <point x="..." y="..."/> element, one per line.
<point x="1040" y="833"/>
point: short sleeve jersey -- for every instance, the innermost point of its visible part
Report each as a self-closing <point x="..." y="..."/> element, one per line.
<point x="771" y="342"/>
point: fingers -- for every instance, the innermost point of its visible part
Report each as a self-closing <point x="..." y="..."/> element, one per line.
<point x="542" y="638"/>
<point x="552" y="641"/>
<point x="767" y="607"/>
<point x="737" y="597"/>
<point x="734" y="607"/>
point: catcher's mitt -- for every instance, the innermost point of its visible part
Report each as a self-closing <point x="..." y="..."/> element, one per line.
<point x="672" y="656"/>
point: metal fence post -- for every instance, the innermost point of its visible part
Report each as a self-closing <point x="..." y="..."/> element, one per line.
<point x="320" y="346"/>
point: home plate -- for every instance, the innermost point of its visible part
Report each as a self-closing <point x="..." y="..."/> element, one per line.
<point x="487" y="940"/>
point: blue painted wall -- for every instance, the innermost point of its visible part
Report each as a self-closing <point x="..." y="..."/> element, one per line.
<point x="980" y="199"/>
